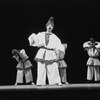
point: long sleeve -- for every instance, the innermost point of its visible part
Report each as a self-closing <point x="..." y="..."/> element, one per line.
<point x="65" y="46"/>
<point x="59" y="45"/>
<point x="98" y="45"/>
<point x="61" y="53"/>
<point x="32" y="39"/>
<point x="36" y="40"/>
<point x="86" y="45"/>
<point x="40" y="39"/>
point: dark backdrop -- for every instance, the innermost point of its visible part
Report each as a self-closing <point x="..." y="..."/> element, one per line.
<point x="75" y="23"/>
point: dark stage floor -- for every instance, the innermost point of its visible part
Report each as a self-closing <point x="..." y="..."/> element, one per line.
<point x="69" y="92"/>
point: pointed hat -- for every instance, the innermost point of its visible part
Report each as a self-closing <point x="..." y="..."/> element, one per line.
<point x="50" y="21"/>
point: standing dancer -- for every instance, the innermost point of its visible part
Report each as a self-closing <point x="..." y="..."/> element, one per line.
<point x="63" y="65"/>
<point x="93" y="63"/>
<point x="47" y="56"/>
<point x="24" y="66"/>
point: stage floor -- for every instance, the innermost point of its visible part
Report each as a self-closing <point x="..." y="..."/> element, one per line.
<point x="34" y="87"/>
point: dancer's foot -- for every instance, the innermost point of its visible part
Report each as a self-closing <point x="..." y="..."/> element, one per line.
<point x="32" y="83"/>
<point x="15" y="83"/>
<point x="59" y="84"/>
<point x="66" y="83"/>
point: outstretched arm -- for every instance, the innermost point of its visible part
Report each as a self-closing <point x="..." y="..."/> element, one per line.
<point x="58" y="47"/>
<point x="36" y="40"/>
<point x="98" y="46"/>
<point x="32" y="39"/>
<point x="86" y="44"/>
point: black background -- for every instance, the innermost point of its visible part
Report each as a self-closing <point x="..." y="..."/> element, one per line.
<point x="76" y="21"/>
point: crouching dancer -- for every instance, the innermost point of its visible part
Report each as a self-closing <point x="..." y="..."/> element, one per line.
<point x="23" y="67"/>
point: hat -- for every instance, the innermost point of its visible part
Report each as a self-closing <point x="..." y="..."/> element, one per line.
<point x="50" y="22"/>
<point x="15" y="52"/>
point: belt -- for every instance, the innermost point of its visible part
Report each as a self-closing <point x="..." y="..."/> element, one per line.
<point x="93" y="57"/>
<point x="25" y="60"/>
<point x="47" y="48"/>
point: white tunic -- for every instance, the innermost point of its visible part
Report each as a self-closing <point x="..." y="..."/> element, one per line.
<point x="93" y="61"/>
<point x="47" y="52"/>
<point x="93" y="53"/>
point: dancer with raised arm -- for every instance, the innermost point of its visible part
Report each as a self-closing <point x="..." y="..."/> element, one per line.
<point x="47" y="56"/>
<point x="93" y="63"/>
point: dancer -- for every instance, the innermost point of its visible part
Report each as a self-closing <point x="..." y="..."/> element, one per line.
<point x="93" y="63"/>
<point x="47" y="56"/>
<point x="24" y="66"/>
<point x="63" y="65"/>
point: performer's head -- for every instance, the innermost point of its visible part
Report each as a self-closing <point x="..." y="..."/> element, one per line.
<point x="15" y="52"/>
<point x="92" y="40"/>
<point x="50" y="24"/>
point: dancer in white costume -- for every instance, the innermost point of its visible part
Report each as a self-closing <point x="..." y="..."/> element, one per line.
<point x="63" y="65"/>
<point x="93" y="63"/>
<point x="47" y="56"/>
<point x="23" y="67"/>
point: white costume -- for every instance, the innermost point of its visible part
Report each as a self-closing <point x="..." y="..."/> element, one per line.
<point x="47" y="57"/>
<point x="62" y="65"/>
<point x="93" y="62"/>
<point x="23" y="67"/>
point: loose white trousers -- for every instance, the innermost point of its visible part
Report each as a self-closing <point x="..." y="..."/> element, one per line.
<point x="52" y="73"/>
<point x="93" y="71"/>
<point x="28" y="76"/>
